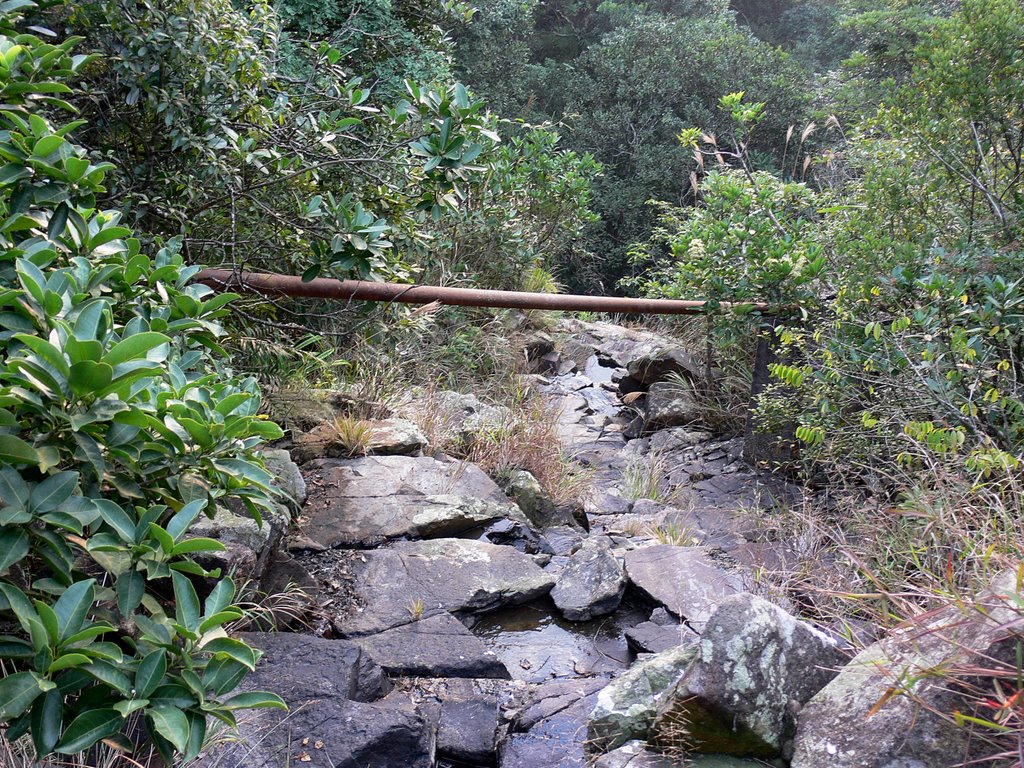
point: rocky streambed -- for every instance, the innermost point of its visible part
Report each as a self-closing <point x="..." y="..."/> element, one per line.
<point x="461" y="626"/>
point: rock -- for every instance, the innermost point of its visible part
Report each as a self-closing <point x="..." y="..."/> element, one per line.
<point x="249" y="545"/>
<point x="592" y="582"/>
<point x="326" y="733"/>
<point x="535" y="503"/>
<point x="635" y="754"/>
<point x="465" y="416"/>
<point x="758" y="665"/>
<point x="644" y="354"/>
<point x="457" y="575"/>
<point x="606" y="501"/>
<point x="395" y="437"/>
<point x="670" y="404"/>
<point x="287" y="476"/>
<point x="648" y="637"/>
<point x="296" y="666"/>
<point x="468" y="729"/>
<point x="677" y="439"/>
<point x="435" y="646"/>
<point x="683" y="579"/>
<point x="834" y="728"/>
<point x="327" y="684"/>
<point x="387" y="437"/>
<point x="363" y="502"/>
<point x="653" y="366"/>
<point x="561" y="540"/>
<point x="550" y="730"/>
<point x="626" y="708"/>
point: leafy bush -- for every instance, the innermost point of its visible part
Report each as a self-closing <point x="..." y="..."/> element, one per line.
<point x="118" y="428"/>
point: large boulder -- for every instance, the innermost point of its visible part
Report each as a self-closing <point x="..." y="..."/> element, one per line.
<point x="328" y="686"/>
<point x="685" y="580"/>
<point x="385" y="437"/>
<point x="758" y="665"/>
<point x="535" y="502"/>
<point x="647" y="356"/>
<point x="627" y="707"/>
<point x="592" y="582"/>
<point x="891" y="706"/>
<point x="363" y="502"/>
<point x="436" y="646"/>
<point x="391" y="585"/>
<point x="670" y="404"/>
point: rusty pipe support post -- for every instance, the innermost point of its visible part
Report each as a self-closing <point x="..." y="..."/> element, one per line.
<point x="359" y="290"/>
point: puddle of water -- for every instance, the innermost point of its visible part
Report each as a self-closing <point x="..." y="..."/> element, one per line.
<point x="596" y="372"/>
<point x="537" y="644"/>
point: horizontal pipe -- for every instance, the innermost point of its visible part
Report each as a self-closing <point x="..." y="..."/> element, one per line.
<point x="360" y="290"/>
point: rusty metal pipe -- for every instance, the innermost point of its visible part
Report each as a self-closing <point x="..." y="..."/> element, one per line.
<point x="359" y="290"/>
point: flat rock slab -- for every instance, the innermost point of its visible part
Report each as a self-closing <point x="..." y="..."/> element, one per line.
<point x="455" y="575"/>
<point x="683" y="579"/>
<point x="436" y="646"/>
<point x="649" y="637"/>
<point x="552" y="728"/>
<point x="298" y="666"/>
<point x="363" y="502"/>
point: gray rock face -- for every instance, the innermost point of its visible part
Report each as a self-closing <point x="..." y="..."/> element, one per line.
<point x="363" y="502"/>
<point x="634" y="754"/>
<point x="758" y="665"/>
<point x="287" y="476"/>
<point x="670" y="404"/>
<point x="326" y="684"/>
<point x="833" y="728"/>
<point x="435" y="646"/>
<point x="395" y="437"/>
<point x="551" y="729"/>
<point x="683" y="579"/>
<point x="535" y="503"/>
<point x="249" y="545"/>
<point x="456" y="575"/>
<point x="626" y="709"/>
<point x="592" y="582"/>
<point x="648" y="637"/>
<point x="647" y="356"/>
<point x="468" y="728"/>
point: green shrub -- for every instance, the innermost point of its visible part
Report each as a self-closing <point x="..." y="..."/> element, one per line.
<point x="118" y="428"/>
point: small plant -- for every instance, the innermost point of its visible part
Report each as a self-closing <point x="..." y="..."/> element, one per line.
<point x="676" y="535"/>
<point x="355" y="435"/>
<point x="416" y="609"/>
<point x="644" y="478"/>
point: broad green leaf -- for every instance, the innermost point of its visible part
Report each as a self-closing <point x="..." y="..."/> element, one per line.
<point x="234" y="649"/>
<point x="73" y="606"/>
<point x="18" y="691"/>
<point x="172" y="724"/>
<point x="130" y="587"/>
<point x="186" y="602"/>
<point x="14" y="544"/>
<point x="47" y="719"/>
<point x="53" y="492"/>
<point x="151" y="672"/>
<point x="89" y="378"/>
<point x="253" y="699"/>
<point x="14" y="450"/>
<point x="87" y="729"/>
<point x="197" y="545"/>
<point x="134" y="347"/>
<point x="178" y="525"/>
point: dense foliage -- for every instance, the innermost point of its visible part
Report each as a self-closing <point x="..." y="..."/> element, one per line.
<point x="119" y="426"/>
